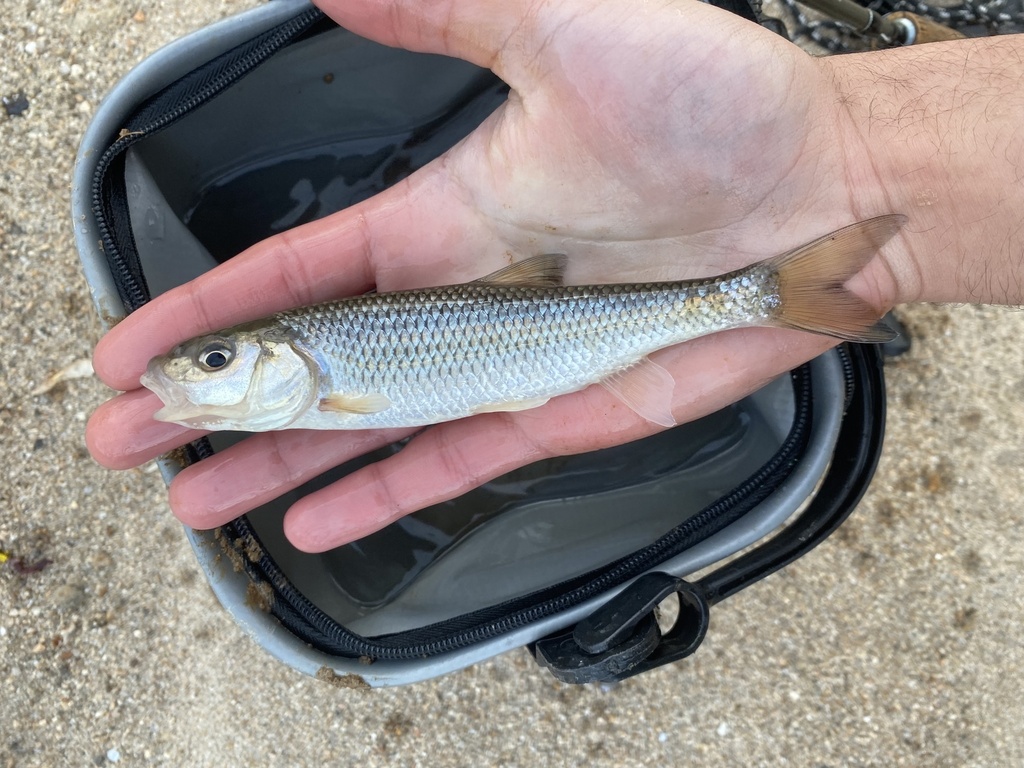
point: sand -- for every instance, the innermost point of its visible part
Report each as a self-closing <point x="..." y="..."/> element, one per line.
<point x="897" y="642"/>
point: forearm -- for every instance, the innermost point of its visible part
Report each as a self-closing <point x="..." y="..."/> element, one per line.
<point x="937" y="132"/>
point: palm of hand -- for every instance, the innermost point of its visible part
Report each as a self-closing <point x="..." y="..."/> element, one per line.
<point x="666" y="152"/>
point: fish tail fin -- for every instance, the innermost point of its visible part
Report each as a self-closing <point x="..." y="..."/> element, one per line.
<point x="812" y="278"/>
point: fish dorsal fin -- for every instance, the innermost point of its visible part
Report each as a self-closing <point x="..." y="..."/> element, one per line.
<point x="646" y="388"/>
<point x="371" y="403"/>
<point x="546" y="269"/>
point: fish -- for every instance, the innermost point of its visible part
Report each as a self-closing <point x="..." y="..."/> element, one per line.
<point x="506" y="342"/>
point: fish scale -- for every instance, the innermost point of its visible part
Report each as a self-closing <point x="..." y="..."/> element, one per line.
<point x="553" y="340"/>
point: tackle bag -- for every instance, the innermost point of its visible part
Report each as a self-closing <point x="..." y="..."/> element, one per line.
<point x="277" y="116"/>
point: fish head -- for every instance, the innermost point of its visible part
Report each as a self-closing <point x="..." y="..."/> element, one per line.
<point x="248" y="378"/>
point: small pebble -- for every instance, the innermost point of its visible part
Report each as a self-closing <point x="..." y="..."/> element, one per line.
<point x="68" y="596"/>
<point x="113" y="755"/>
<point x="15" y="104"/>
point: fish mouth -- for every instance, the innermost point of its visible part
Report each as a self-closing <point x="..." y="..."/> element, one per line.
<point x="177" y="408"/>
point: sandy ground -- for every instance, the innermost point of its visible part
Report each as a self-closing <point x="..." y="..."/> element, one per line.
<point x="895" y="643"/>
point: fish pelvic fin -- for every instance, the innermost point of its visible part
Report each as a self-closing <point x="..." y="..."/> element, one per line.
<point x="340" y="403"/>
<point x="812" y="278"/>
<point x="543" y="270"/>
<point x="505" y="407"/>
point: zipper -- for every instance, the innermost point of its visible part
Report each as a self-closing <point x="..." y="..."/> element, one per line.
<point x="854" y="459"/>
<point x="311" y="624"/>
<point x="185" y="95"/>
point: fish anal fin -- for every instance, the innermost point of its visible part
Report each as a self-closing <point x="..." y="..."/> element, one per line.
<point x="546" y="269"/>
<point x="812" y="294"/>
<point x="340" y="403"/>
<point x="502" y="407"/>
<point x="647" y="389"/>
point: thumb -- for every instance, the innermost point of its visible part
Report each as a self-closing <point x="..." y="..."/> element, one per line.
<point x="484" y="32"/>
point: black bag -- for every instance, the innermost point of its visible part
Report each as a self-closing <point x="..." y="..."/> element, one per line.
<point x="276" y="117"/>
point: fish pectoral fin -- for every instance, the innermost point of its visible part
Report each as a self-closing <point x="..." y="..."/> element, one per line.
<point x="547" y="269"/>
<point x="371" y="403"/>
<point x="647" y="388"/>
<point x="520" y="405"/>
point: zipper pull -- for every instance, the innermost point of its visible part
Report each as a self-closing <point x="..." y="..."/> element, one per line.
<point x="621" y="638"/>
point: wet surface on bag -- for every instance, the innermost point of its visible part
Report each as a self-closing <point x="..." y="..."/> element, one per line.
<point x="312" y="183"/>
<point x="306" y="142"/>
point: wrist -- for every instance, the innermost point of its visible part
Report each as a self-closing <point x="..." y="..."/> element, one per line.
<point x="932" y="132"/>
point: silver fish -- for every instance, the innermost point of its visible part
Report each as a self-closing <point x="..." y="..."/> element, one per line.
<point x="507" y="342"/>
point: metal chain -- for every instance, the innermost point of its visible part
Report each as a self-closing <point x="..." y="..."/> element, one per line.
<point x="993" y="17"/>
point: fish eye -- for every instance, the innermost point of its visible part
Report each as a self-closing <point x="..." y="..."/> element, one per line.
<point x="215" y="356"/>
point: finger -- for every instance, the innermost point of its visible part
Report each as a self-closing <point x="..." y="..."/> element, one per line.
<point x="122" y="433"/>
<point x="261" y="468"/>
<point x="418" y="221"/>
<point x="453" y="458"/>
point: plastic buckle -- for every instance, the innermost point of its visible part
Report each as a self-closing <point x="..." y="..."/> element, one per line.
<point x="622" y="638"/>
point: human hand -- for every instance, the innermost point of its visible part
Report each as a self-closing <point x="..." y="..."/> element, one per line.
<point x="656" y="141"/>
